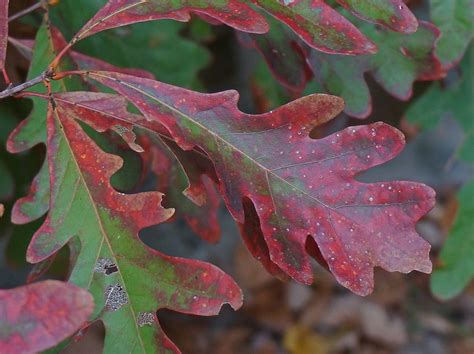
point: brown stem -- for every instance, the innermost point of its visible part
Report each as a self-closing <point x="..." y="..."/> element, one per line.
<point x="25" y="11"/>
<point x="12" y="90"/>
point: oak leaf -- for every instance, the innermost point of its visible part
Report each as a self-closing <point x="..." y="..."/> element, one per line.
<point x="300" y="187"/>
<point x="129" y="281"/>
<point x="317" y="23"/>
<point x="38" y="316"/>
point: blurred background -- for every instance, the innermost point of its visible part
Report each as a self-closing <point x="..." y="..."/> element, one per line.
<point x="401" y="316"/>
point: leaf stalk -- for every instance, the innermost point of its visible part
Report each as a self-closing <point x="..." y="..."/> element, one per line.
<point x="13" y="90"/>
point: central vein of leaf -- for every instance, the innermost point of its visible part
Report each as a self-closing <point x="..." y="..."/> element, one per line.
<point x="101" y="227"/>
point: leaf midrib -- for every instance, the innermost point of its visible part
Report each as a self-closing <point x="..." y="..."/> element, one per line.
<point x="101" y="226"/>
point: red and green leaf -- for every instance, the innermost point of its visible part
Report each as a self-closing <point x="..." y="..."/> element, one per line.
<point x="185" y="176"/>
<point x="38" y="316"/>
<point x="116" y="13"/>
<point x="308" y="188"/>
<point x="129" y="281"/>
<point x="317" y="23"/>
<point x="400" y="61"/>
<point x="32" y="130"/>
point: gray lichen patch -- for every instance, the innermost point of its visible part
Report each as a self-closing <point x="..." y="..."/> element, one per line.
<point x="115" y="297"/>
<point x="145" y="318"/>
<point x="105" y="266"/>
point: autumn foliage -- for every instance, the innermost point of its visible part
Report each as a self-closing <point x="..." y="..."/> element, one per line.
<point x="292" y="188"/>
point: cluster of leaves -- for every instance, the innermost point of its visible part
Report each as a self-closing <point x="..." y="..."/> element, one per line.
<point x="294" y="197"/>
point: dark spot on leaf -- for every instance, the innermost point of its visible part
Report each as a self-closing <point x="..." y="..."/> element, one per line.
<point x="111" y="269"/>
<point x="105" y="266"/>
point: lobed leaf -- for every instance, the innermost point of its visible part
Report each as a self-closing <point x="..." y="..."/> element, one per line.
<point x="305" y="190"/>
<point x="116" y="13"/>
<point x="318" y="24"/>
<point x="38" y="316"/>
<point x="32" y="130"/>
<point x="128" y="280"/>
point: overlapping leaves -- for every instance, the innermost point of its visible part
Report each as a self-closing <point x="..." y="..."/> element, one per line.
<point x="109" y="271"/>
<point x="317" y="23"/>
<point x="32" y="130"/>
<point x="401" y="60"/>
<point x="128" y="280"/>
<point x="290" y="203"/>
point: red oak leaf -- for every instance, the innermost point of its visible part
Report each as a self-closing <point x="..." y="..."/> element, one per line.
<point x="115" y="13"/>
<point x="317" y="23"/>
<point x="38" y="316"/>
<point x="300" y="187"/>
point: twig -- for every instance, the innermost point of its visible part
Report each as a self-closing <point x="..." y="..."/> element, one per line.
<point x="25" y="11"/>
<point x="12" y="90"/>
